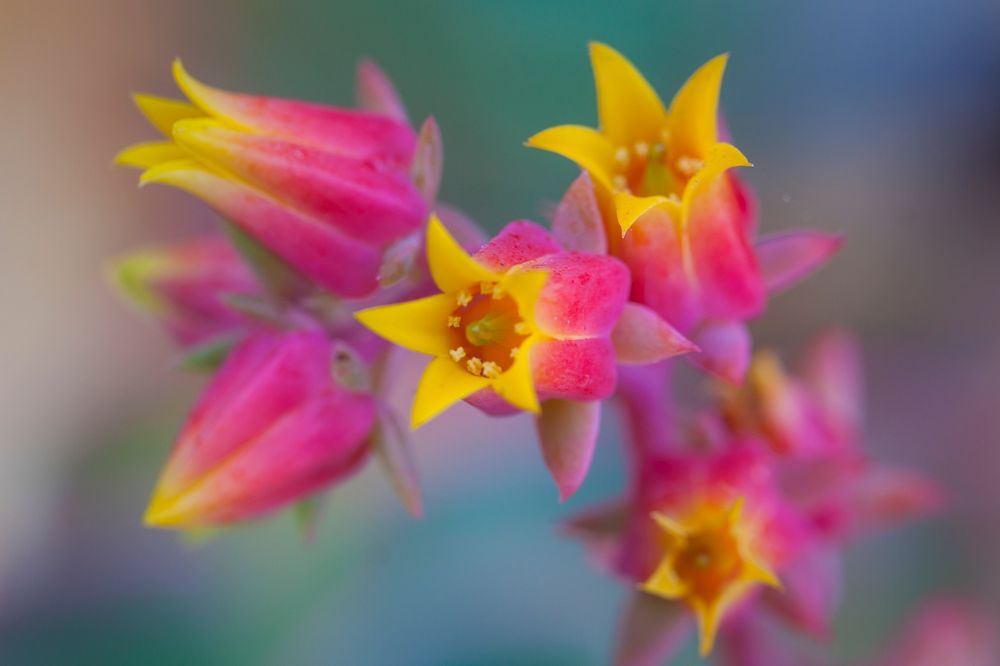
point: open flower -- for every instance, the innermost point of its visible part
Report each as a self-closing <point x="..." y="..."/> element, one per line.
<point x="182" y="285"/>
<point x="663" y="179"/>
<point x="645" y="155"/>
<point x="520" y="325"/>
<point x="709" y="562"/>
<point x="273" y="427"/>
<point x="328" y="190"/>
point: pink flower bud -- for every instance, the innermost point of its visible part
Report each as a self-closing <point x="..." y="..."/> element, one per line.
<point x="272" y="428"/>
<point x="183" y="285"/>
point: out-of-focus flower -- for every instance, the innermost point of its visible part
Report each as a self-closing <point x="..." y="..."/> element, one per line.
<point x="520" y="325"/>
<point x="709" y="561"/>
<point x="326" y="189"/>
<point x="276" y="425"/>
<point x="183" y="286"/>
<point x="708" y="529"/>
<point x="662" y="178"/>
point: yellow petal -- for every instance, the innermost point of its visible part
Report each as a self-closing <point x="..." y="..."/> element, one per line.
<point x="205" y="97"/>
<point x="628" y="107"/>
<point x="664" y="582"/>
<point x="443" y="384"/>
<point x="629" y="208"/>
<point x="147" y="155"/>
<point x="694" y="112"/>
<point x="584" y="145"/>
<point x="172" y="173"/>
<point x="669" y="525"/>
<point x="709" y="615"/>
<point x="525" y="287"/>
<point x="420" y="325"/>
<point x="516" y="384"/>
<point x="721" y="157"/>
<point x="451" y="267"/>
<point x="162" y="113"/>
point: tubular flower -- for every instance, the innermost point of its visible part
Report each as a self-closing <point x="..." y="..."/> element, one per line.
<point x="328" y="190"/>
<point x="644" y="155"/>
<point x="659" y="183"/>
<point x="183" y="285"/>
<point x="709" y="562"/>
<point x="520" y="325"/>
<point x="273" y="427"/>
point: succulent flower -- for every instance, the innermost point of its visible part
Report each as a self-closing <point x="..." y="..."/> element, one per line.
<point x="183" y="286"/>
<point x="659" y="184"/>
<point x="273" y="427"/>
<point x="328" y="190"/>
<point x="520" y="325"/>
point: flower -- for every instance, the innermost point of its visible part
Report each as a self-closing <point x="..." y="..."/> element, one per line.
<point x="520" y="320"/>
<point x="658" y="184"/>
<point x="520" y="325"/>
<point x="327" y="190"/>
<point x="709" y="561"/>
<point x="645" y="155"/>
<point x="183" y="285"/>
<point x="273" y="427"/>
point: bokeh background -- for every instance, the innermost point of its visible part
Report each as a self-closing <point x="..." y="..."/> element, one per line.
<point x="880" y="119"/>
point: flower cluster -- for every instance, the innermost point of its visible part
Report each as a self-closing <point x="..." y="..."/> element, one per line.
<point x="333" y="252"/>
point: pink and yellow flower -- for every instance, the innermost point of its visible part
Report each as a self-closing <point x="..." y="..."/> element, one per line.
<point x="661" y="183"/>
<point x="326" y="189"/>
<point x="520" y="325"/>
<point x="273" y="427"/>
<point x="183" y="286"/>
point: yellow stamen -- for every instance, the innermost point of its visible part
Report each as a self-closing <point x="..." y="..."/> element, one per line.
<point x="641" y="149"/>
<point x="464" y="298"/>
<point x="474" y="365"/>
<point x="521" y="328"/>
<point x="491" y="370"/>
<point x="514" y="351"/>
<point x="621" y="156"/>
<point x="454" y="321"/>
<point x="486" y="288"/>
<point x="689" y="165"/>
<point x="457" y="354"/>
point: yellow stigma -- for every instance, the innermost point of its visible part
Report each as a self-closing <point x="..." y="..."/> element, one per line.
<point x="708" y="562"/>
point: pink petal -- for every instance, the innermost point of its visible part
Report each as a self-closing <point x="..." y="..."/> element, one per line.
<point x="518" y="242"/>
<point x="322" y="253"/>
<point x="725" y="350"/>
<point x="349" y="132"/>
<point x="428" y="160"/>
<point x="832" y="368"/>
<point x="641" y="336"/>
<point x="578" y="224"/>
<point x="371" y="205"/>
<point x="787" y="258"/>
<point x="651" y="630"/>
<point x="376" y="93"/>
<point x="812" y="586"/>
<point x="574" y="369"/>
<point x="567" y="432"/>
<point x="583" y="295"/>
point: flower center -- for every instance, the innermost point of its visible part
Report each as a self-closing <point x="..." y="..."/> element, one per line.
<point x="709" y="560"/>
<point x="650" y="168"/>
<point x="486" y="330"/>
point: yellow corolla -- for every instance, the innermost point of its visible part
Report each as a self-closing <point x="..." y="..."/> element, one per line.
<point x="645" y="155"/>
<point x="479" y="330"/>
<point x="709" y="563"/>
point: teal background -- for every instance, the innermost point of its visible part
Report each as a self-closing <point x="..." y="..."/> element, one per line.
<point x="877" y="119"/>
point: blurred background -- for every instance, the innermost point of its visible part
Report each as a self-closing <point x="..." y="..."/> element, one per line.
<point x="878" y="119"/>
